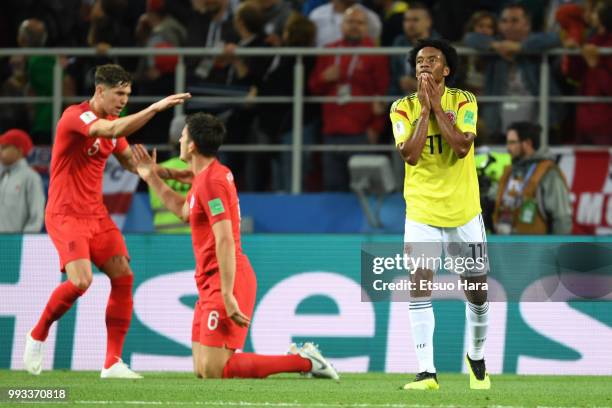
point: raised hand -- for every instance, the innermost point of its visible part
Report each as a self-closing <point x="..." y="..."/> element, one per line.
<point x="170" y="101"/>
<point x="145" y="163"/>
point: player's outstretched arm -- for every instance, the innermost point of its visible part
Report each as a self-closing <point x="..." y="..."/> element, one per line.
<point x="129" y="124"/>
<point x="146" y="168"/>
<point x="225" y="249"/>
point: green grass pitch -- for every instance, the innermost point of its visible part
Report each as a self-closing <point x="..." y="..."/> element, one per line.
<point x="374" y="390"/>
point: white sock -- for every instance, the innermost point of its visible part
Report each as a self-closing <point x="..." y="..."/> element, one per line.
<point x="423" y="323"/>
<point x="477" y="318"/>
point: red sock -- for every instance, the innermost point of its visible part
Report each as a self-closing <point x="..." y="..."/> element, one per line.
<point x="59" y="303"/>
<point x="118" y="317"/>
<point x="250" y="365"/>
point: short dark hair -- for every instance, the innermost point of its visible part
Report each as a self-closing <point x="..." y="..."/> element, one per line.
<point x="301" y="32"/>
<point x="449" y="52"/>
<point x="519" y="5"/>
<point x="477" y="17"/>
<point x="417" y="5"/>
<point x="206" y="131"/>
<point x="251" y="16"/>
<point x="527" y="131"/>
<point x="112" y="75"/>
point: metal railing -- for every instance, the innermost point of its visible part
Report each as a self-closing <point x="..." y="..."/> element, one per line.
<point x="297" y="99"/>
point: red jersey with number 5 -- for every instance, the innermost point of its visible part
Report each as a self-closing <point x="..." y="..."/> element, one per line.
<point x="212" y="198"/>
<point x="77" y="164"/>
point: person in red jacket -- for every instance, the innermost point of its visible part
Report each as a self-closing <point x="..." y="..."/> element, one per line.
<point x="347" y="76"/>
<point x="593" y="71"/>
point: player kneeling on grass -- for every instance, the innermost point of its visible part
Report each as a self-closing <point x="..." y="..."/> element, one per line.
<point x="224" y="277"/>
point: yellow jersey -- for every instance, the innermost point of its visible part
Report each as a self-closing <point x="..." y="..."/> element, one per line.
<point x="441" y="189"/>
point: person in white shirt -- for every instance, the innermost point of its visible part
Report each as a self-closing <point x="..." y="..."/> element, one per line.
<point x="328" y="19"/>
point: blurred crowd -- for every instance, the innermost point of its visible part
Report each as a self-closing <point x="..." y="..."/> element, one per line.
<point x="511" y="33"/>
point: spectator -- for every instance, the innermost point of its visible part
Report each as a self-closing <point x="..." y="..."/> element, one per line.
<point x="60" y="19"/>
<point x="109" y="24"/>
<point x="249" y="24"/>
<point x="275" y="14"/>
<point x="104" y="32"/>
<point x="594" y="73"/>
<point x="346" y="76"/>
<point x="329" y="17"/>
<point x="482" y="22"/>
<point x="391" y="13"/>
<point x="39" y="73"/>
<point x="276" y="120"/>
<point x="14" y="84"/>
<point x="22" y="199"/>
<point x="211" y="26"/>
<point x="121" y="16"/>
<point x="158" y="29"/>
<point x="449" y="16"/>
<point x="417" y="26"/>
<point x="164" y="220"/>
<point x="248" y="73"/>
<point x="533" y="197"/>
<point x="513" y="73"/>
<point x="181" y="10"/>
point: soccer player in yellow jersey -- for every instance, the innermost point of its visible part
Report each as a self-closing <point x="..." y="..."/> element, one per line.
<point x="434" y="131"/>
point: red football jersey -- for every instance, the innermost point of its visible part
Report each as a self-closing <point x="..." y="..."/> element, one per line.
<point x="77" y="164"/>
<point x="212" y="198"/>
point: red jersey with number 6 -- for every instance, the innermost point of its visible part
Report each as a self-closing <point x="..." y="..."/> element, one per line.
<point x="212" y="198"/>
<point x="77" y="164"/>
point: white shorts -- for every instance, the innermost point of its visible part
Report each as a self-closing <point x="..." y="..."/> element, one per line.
<point x="462" y="250"/>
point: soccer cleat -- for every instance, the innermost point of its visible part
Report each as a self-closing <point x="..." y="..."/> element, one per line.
<point x="120" y="370"/>
<point x="294" y="350"/>
<point x="33" y="355"/>
<point x="479" y="378"/>
<point x="321" y="368"/>
<point x="424" y="381"/>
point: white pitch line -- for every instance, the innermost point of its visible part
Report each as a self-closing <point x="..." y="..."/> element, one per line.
<point x="285" y="404"/>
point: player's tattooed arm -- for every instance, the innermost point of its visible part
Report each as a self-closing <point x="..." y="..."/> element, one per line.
<point x="458" y="141"/>
<point x="412" y="148"/>
<point x="183" y="176"/>
<point x="146" y="168"/>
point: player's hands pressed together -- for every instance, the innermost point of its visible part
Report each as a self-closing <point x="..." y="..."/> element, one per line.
<point x="169" y="102"/>
<point x="233" y="311"/>
<point x="145" y="163"/>
<point x="434" y="91"/>
<point x="422" y="93"/>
